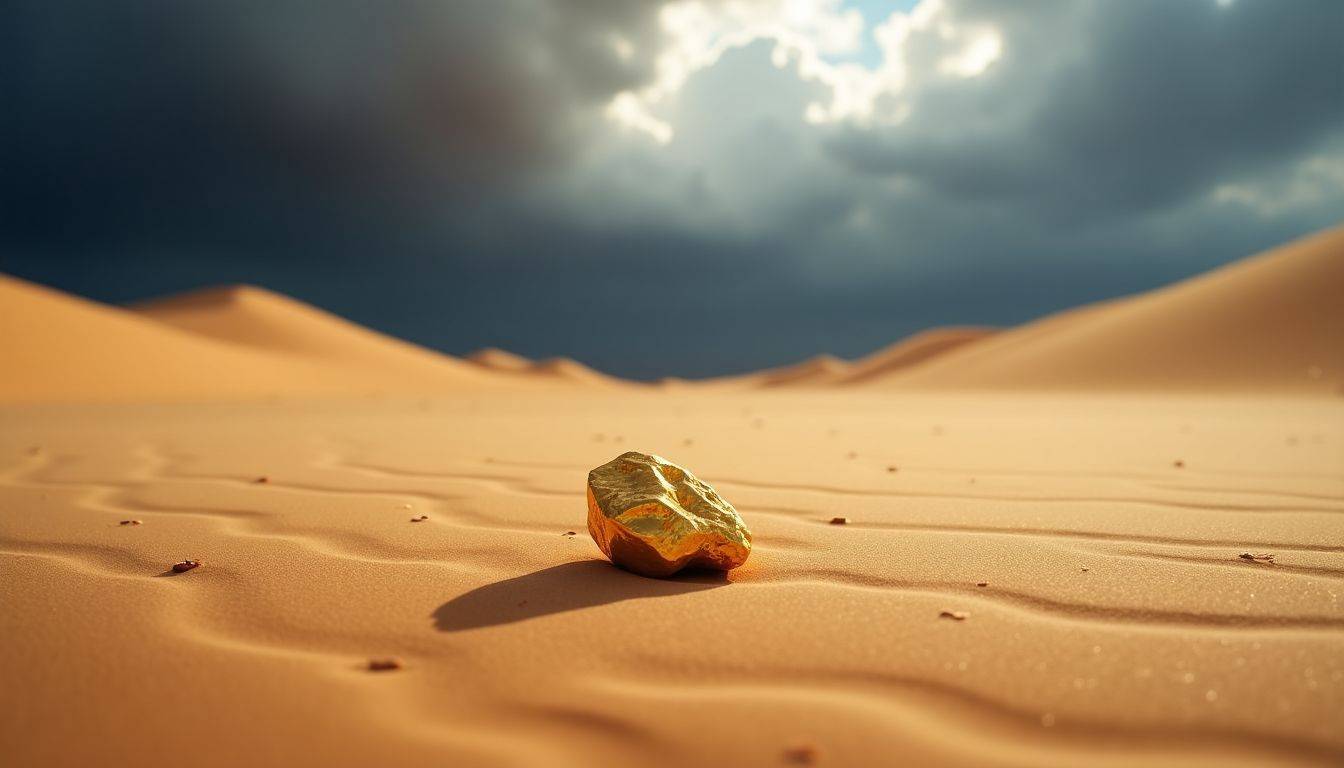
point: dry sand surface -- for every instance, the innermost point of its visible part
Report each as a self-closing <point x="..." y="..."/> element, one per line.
<point x="1117" y="622"/>
<point x="1050" y="576"/>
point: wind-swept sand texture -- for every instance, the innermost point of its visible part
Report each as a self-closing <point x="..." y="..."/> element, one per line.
<point x="1117" y="624"/>
<point x="1271" y="323"/>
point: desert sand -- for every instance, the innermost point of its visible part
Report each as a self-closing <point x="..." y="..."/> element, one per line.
<point x="1042" y="563"/>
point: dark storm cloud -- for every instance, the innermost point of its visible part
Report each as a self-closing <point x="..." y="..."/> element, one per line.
<point x="1107" y="108"/>
<point x="444" y="171"/>
<point x="121" y="113"/>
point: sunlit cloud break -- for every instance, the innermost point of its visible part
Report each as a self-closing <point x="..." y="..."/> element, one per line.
<point x="812" y="37"/>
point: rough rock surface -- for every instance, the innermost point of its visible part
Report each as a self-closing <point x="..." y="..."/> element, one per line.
<point x="654" y="518"/>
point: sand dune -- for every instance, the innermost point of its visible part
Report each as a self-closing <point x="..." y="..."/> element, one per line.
<point x="1272" y="323"/>
<point x="1058" y="577"/>
<point x="827" y="370"/>
<point x="557" y="369"/>
<point x="821" y="369"/>
<point x="58" y="347"/>
<point x="499" y="360"/>
<point x="913" y="350"/>
<point x="255" y="317"/>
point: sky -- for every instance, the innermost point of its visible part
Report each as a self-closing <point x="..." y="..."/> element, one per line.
<point x="663" y="187"/>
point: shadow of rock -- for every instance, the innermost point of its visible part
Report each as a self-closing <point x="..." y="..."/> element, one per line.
<point x="561" y="588"/>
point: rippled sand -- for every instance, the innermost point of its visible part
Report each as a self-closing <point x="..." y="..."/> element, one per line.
<point x="1117" y="622"/>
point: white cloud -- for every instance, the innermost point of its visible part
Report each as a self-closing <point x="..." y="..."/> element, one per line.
<point x="808" y="36"/>
<point x="1312" y="182"/>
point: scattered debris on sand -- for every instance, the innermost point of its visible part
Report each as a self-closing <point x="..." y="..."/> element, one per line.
<point x="570" y="533"/>
<point x="130" y="522"/>
<point x="801" y="754"/>
<point x="419" y="519"/>
<point x="384" y="665"/>
<point x="185" y="565"/>
<point x="1261" y="558"/>
<point x="954" y="615"/>
<point x="839" y="521"/>
<point x="982" y="583"/>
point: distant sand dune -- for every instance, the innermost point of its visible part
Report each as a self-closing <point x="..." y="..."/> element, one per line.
<point x="912" y="351"/>
<point x="58" y="347"/>
<point x="1273" y="322"/>
<point x="499" y="360"/>
<point x="258" y="318"/>
<point x="559" y="369"/>
<point x="828" y="370"/>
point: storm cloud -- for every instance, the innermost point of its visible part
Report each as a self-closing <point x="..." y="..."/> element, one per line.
<point x="756" y="181"/>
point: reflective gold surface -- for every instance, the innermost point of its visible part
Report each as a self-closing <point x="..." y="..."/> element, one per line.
<point x="653" y="517"/>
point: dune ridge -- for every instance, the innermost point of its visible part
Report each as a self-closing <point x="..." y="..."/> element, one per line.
<point x="59" y="347"/>
<point x="1269" y="323"/>
<point x="557" y="369"/>
<point x="261" y="319"/>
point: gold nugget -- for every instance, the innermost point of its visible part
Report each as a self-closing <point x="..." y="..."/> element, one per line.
<point x="652" y="517"/>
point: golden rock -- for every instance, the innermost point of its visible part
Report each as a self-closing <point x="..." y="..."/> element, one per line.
<point x="653" y="517"/>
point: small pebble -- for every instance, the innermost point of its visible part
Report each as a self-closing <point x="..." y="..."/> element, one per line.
<point x="1178" y="464"/>
<point x="839" y="520"/>
<point x="263" y="479"/>
<point x="185" y="565"/>
<point x="130" y="522"/>
<point x="801" y="754"/>
<point x="384" y="665"/>
<point x="1262" y="558"/>
<point x="982" y="583"/>
<point x="569" y="533"/>
<point x="892" y="468"/>
<point x="954" y="615"/>
<point x="419" y="519"/>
